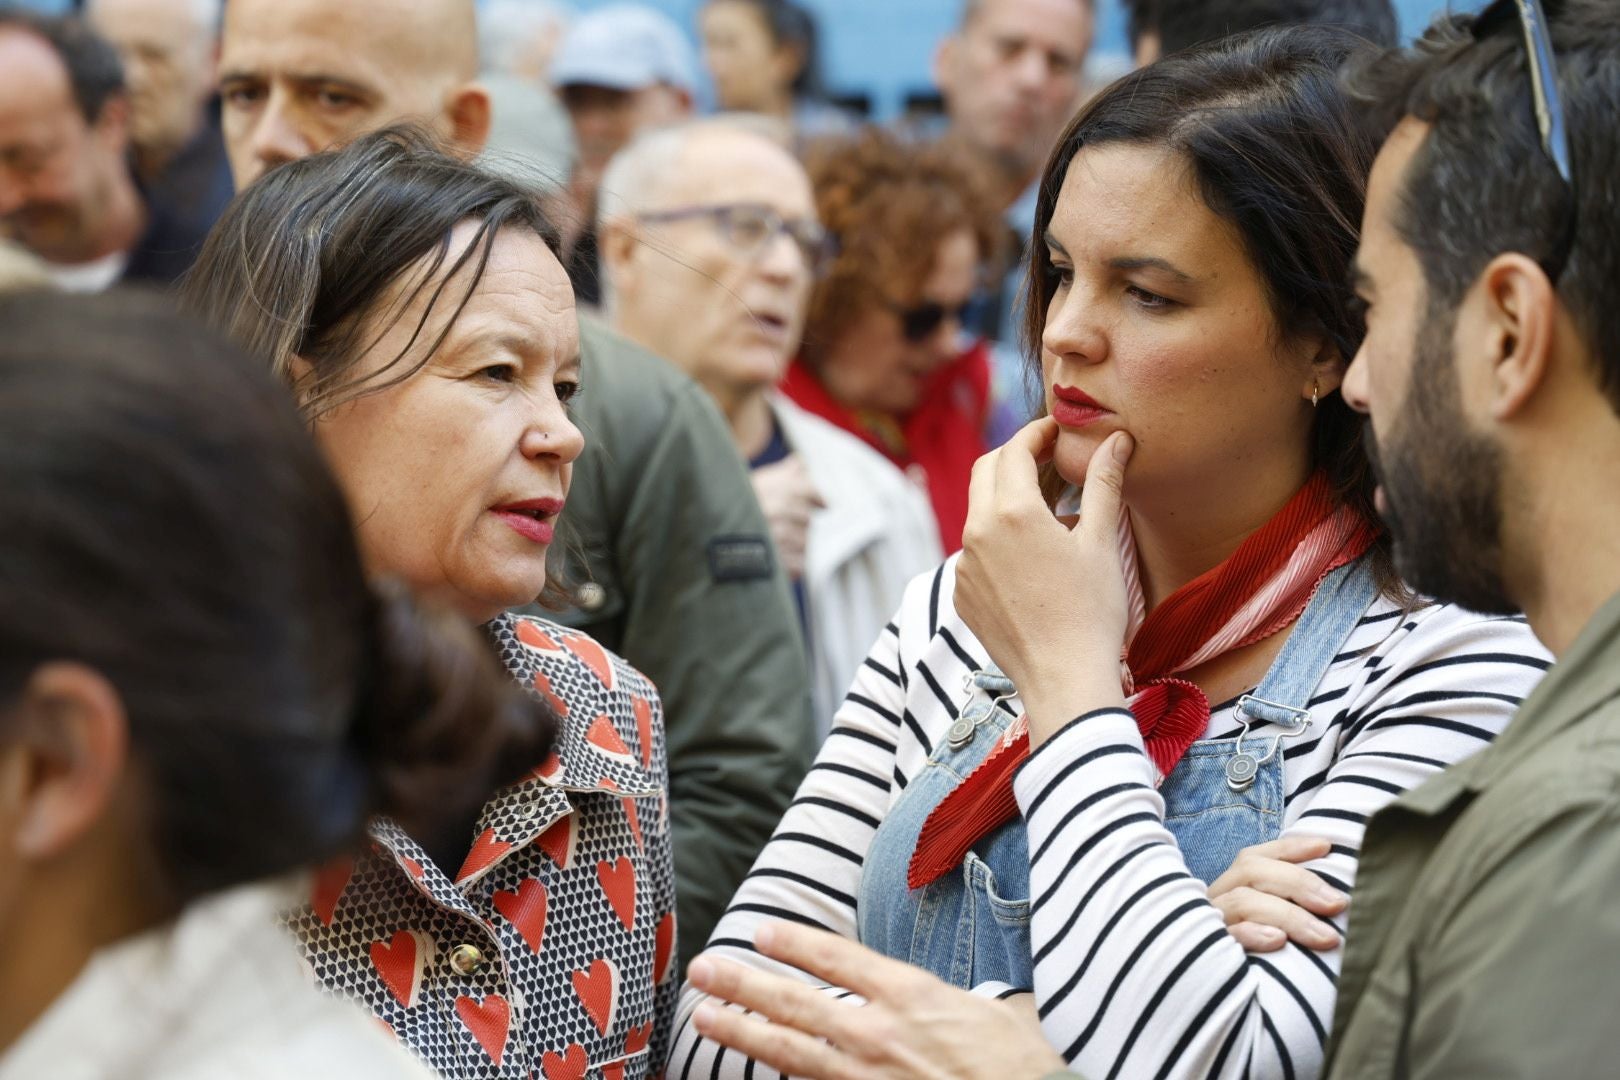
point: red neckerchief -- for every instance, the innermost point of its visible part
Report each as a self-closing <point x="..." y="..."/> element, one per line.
<point x="1170" y="713"/>
<point x="942" y="437"/>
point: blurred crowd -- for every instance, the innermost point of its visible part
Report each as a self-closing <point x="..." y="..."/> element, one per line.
<point x="497" y="501"/>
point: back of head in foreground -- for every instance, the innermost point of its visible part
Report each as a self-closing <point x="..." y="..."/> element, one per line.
<point x="181" y="577"/>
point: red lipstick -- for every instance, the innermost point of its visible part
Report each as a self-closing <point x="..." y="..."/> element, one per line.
<point x="533" y="519"/>
<point x="1074" y="408"/>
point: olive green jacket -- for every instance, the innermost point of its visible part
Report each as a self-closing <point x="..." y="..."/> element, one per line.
<point x="1484" y="937"/>
<point x="668" y="562"/>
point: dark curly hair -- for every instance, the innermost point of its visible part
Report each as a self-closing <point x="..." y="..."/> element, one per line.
<point x="888" y="201"/>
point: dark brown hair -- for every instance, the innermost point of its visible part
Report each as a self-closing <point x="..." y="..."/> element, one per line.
<point x="167" y="520"/>
<point x="1276" y="149"/>
<point x="889" y="202"/>
<point x="1481" y="184"/>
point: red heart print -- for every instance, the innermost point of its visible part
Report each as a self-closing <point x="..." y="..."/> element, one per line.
<point x="570" y="1065"/>
<point x="412" y="867"/>
<point x="327" y="888"/>
<point x="598" y="991"/>
<point x="399" y="964"/>
<point x="635" y="823"/>
<point x="594" y="657"/>
<point x="663" y="947"/>
<point x="618" y="880"/>
<point x="525" y="910"/>
<point x="534" y="637"/>
<point x="487" y="1020"/>
<point x="604" y="737"/>
<point x="560" y="840"/>
<point x="542" y="686"/>
<point x="485" y="850"/>
<point x="549" y="768"/>
<point x="644" y="729"/>
<point x="637" y="1040"/>
<point x="615" y="1071"/>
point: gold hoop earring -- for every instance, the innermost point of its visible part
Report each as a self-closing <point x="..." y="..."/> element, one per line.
<point x="1316" y="391"/>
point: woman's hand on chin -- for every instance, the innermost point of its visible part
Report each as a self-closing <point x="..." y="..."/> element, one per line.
<point x="1047" y="601"/>
<point x="912" y="1026"/>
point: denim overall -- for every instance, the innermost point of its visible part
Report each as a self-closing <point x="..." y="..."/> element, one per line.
<point x="972" y="926"/>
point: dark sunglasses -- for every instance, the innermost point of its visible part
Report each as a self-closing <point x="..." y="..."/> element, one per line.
<point x="923" y="321"/>
<point x="1549" y="108"/>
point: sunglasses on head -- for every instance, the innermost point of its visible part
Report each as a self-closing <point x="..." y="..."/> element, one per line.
<point x="922" y="321"/>
<point x="1549" y="107"/>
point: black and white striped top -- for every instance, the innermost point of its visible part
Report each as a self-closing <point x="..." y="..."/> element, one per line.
<point x="1135" y="974"/>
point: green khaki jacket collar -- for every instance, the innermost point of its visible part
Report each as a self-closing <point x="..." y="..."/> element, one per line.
<point x="1417" y="841"/>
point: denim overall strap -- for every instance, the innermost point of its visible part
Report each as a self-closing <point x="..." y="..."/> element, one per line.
<point x="972" y="925"/>
<point x="1227" y="794"/>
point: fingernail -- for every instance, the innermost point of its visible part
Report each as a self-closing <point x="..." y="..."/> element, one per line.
<point x="704" y="1015"/>
<point x="699" y="972"/>
<point x="1329" y="895"/>
<point x="1325" y="933"/>
<point x="1122" y="448"/>
<point x="1270" y="933"/>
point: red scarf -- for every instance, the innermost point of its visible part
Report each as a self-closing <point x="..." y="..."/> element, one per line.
<point x="1260" y="590"/>
<point x="941" y="438"/>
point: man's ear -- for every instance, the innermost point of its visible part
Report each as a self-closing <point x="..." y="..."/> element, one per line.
<point x="112" y="124"/>
<point x="1519" y="309"/>
<point x="945" y="63"/>
<point x="616" y="243"/>
<point x="468" y="111"/>
<point x="75" y="738"/>
<point x="787" y="61"/>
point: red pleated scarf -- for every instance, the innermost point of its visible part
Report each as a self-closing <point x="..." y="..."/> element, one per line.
<point x="1260" y="590"/>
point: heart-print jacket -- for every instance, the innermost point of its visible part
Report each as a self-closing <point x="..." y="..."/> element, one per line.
<point x="550" y="954"/>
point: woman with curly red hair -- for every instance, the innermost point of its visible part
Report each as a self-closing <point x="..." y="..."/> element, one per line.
<point x="885" y="355"/>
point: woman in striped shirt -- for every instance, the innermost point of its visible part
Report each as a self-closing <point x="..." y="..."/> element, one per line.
<point x="1006" y="804"/>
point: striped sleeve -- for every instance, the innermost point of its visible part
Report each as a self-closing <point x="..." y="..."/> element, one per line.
<point x="1135" y="974"/>
<point x="811" y="869"/>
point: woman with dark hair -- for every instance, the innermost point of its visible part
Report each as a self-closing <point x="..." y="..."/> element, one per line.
<point x="200" y="696"/>
<point x="885" y="355"/>
<point x="1006" y="804"/>
<point x="762" y="57"/>
<point x="415" y="306"/>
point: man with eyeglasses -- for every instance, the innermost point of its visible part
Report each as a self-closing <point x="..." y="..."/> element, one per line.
<point x="710" y="246"/>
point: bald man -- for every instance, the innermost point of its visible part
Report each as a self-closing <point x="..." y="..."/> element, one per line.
<point x="297" y="76"/>
<point x="168" y="49"/>
<point x="668" y="554"/>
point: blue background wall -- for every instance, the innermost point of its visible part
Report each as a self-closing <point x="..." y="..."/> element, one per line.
<point x="883" y="48"/>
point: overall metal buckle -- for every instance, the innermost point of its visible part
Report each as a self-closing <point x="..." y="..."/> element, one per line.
<point x="1244" y="766"/>
<point x="980" y="704"/>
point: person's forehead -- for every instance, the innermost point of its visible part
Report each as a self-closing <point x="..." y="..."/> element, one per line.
<point x="34" y="83"/>
<point x="1386" y="185"/>
<point x="159" y="24"/>
<point x="523" y="298"/>
<point x="1125" y="200"/>
<point x="737" y="167"/>
<point x="1056" y="24"/>
<point x="296" y="38"/>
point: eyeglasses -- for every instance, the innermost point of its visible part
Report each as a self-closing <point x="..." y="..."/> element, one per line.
<point x="923" y="321"/>
<point x="750" y="228"/>
<point x="1549" y="108"/>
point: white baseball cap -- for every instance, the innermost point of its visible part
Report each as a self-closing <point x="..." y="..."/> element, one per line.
<point x="625" y="47"/>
